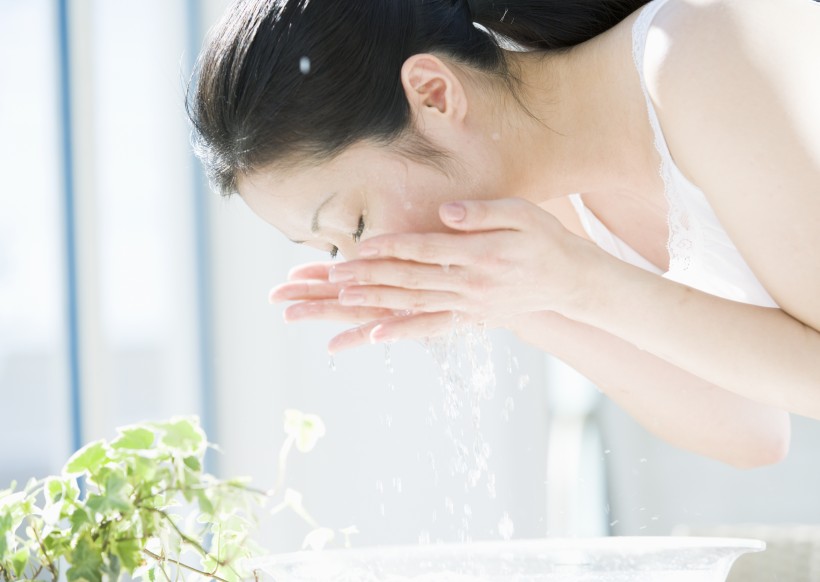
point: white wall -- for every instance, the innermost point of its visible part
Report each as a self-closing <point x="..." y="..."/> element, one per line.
<point x="655" y="487"/>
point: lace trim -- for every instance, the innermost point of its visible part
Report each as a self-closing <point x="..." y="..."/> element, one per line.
<point x="680" y="244"/>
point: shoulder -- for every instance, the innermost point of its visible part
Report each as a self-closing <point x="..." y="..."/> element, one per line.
<point x="735" y="84"/>
<point x="719" y="64"/>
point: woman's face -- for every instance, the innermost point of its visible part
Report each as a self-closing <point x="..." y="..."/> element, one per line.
<point x="363" y="192"/>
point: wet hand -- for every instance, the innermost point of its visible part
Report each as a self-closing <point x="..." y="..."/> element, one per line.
<point x="507" y="257"/>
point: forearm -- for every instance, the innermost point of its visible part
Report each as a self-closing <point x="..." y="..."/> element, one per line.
<point x="760" y="353"/>
<point x="673" y="404"/>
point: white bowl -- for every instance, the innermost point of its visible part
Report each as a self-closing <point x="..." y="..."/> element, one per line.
<point x="611" y="559"/>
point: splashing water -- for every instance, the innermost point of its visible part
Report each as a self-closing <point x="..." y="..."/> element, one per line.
<point x="506" y="527"/>
<point x="304" y="65"/>
<point x="467" y="377"/>
<point x="388" y="362"/>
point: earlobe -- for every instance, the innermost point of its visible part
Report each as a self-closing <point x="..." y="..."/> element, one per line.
<point x="430" y="84"/>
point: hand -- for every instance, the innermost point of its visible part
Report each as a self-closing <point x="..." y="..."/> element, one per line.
<point x="508" y="257"/>
<point x="318" y="299"/>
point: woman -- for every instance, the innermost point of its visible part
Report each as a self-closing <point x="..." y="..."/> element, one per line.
<point x="461" y="175"/>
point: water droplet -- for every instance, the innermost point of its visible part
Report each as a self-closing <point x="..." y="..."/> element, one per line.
<point x="607" y="451"/>
<point x="468" y="511"/>
<point x="424" y="538"/>
<point x="448" y="505"/>
<point x="612" y="523"/>
<point x="506" y="527"/>
<point x="642" y="460"/>
<point x="380" y="486"/>
<point x="304" y="65"/>
<point x="397" y="484"/>
<point x="388" y="362"/>
<point x="523" y="381"/>
<point x="491" y="485"/>
<point x="331" y="363"/>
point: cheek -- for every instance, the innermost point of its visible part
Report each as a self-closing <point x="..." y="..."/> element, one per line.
<point x="411" y="216"/>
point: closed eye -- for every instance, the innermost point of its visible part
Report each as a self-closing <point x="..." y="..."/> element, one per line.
<point x="357" y="236"/>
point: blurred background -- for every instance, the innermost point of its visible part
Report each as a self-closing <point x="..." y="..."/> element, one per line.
<point x="129" y="292"/>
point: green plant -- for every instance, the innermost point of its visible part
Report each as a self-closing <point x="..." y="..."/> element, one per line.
<point x="142" y="505"/>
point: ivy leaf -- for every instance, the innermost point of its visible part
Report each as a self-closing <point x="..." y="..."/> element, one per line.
<point x="19" y="561"/>
<point x="135" y="439"/>
<point x="304" y="429"/>
<point x="113" y="497"/>
<point x="183" y="434"/>
<point x="88" y="459"/>
<point x="193" y="464"/>
<point x="78" y="519"/>
<point x="129" y="553"/>
<point x="86" y="562"/>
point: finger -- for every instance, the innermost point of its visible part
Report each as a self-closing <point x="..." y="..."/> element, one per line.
<point x="304" y="290"/>
<point x="310" y="271"/>
<point x="398" y="298"/>
<point x="351" y="338"/>
<point x="442" y="249"/>
<point x="482" y="215"/>
<point x="394" y="273"/>
<point x="331" y="310"/>
<point x="423" y="325"/>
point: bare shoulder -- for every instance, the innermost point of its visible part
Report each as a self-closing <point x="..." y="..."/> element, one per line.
<point x="736" y="85"/>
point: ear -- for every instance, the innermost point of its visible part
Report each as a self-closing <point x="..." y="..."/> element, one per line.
<point x="432" y="87"/>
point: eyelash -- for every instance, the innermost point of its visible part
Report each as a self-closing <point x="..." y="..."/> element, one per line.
<point x="357" y="236"/>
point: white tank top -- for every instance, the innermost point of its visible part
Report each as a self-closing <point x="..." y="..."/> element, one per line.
<point x="701" y="255"/>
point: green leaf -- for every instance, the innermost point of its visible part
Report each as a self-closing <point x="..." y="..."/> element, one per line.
<point x="55" y="489"/>
<point x="111" y="567"/>
<point x="205" y="505"/>
<point x="6" y="522"/>
<point x="136" y="438"/>
<point x="86" y="562"/>
<point x="19" y="561"/>
<point x="193" y="464"/>
<point x="114" y="496"/>
<point x="183" y="434"/>
<point x="78" y="519"/>
<point x="88" y="459"/>
<point x="129" y="553"/>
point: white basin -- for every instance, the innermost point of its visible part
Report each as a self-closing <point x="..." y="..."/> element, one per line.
<point x="611" y="559"/>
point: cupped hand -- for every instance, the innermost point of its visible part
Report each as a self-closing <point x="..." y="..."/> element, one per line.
<point x="315" y="297"/>
<point x="507" y="257"/>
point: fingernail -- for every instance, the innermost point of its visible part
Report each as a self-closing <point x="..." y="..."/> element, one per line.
<point x="368" y="252"/>
<point x="453" y="211"/>
<point x="337" y="275"/>
<point x="351" y="298"/>
<point x="377" y="334"/>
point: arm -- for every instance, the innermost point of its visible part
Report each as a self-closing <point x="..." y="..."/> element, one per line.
<point x="672" y="404"/>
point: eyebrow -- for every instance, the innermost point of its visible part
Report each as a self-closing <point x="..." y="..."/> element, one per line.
<point x="314" y="223"/>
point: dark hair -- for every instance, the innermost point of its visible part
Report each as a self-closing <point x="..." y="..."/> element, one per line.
<point x="295" y="81"/>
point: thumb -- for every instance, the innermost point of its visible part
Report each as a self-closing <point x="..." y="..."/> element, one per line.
<point x="504" y="214"/>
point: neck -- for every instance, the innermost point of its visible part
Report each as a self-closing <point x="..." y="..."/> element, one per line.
<point x="584" y="128"/>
